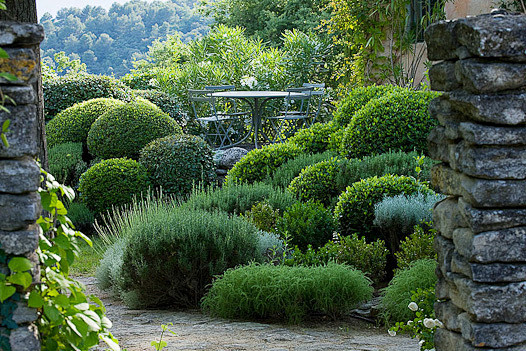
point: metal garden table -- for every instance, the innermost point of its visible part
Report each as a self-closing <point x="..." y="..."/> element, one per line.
<point x="256" y="100"/>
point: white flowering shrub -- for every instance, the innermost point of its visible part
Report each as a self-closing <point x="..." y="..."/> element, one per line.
<point x="423" y="326"/>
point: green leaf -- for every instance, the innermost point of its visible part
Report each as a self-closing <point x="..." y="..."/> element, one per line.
<point x="52" y="313"/>
<point x="35" y="300"/>
<point x="62" y="301"/>
<point x="6" y="291"/>
<point x="20" y="264"/>
<point x="92" y="325"/>
<point x="111" y="344"/>
<point x="24" y="279"/>
<point x="4" y="140"/>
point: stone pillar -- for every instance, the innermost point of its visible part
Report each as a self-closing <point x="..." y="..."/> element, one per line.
<point x="481" y="142"/>
<point x="19" y="178"/>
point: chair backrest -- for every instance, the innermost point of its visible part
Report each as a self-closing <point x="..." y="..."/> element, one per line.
<point x="220" y="87"/>
<point x="231" y="104"/>
<point x="304" y="98"/>
<point x="319" y="93"/>
<point x="202" y="96"/>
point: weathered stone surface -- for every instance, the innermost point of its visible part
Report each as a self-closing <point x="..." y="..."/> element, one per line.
<point x="491" y="303"/>
<point x="18" y="211"/>
<point x="482" y="220"/>
<point x="437" y="145"/>
<point x="22" y="63"/>
<point x="491" y="335"/>
<point x="447" y="217"/>
<point x="489" y="162"/>
<point x="444" y="285"/>
<point x="19" y="176"/>
<point x="442" y="76"/>
<point x="22" y="132"/>
<point x="489" y="273"/>
<point x="441" y="41"/>
<point x="493" y="36"/>
<point x="479" y="76"/>
<point x="231" y="156"/>
<point x="17" y="33"/>
<point x="479" y="192"/>
<point x="24" y="314"/>
<point x="22" y="95"/>
<point x="441" y="109"/>
<point x="505" y="109"/>
<point x="479" y="134"/>
<point x="505" y="245"/>
<point x="444" y="249"/>
<point x="447" y="313"/>
<point x="25" y="338"/>
<point x="20" y="242"/>
<point x="446" y="340"/>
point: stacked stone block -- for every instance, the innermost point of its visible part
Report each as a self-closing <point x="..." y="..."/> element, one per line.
<point x="481" y="142"/>
<point x="19" y="176"/>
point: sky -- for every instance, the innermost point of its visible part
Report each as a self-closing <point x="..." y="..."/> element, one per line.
<point x="52" y="6"/>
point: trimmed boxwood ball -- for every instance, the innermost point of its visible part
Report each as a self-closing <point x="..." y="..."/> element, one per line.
<point x="355" y="208"/>
<point x="63" y="92"/>
<point x="260" y="163"/>
<point x="125" y="130"/>
<point x="164" y="101"/>
<point x="178" y="162"/>
<point x="73" y="124"/>
<point x="396" y="121"/>
<point x="316" y="138"/>
<point x="112" y="182"/>
<point x="357" y="99"/>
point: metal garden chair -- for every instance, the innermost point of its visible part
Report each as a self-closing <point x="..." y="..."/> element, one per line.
<point x="317" y="98"/>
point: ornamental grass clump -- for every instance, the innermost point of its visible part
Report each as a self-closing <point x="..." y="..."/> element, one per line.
<point x="288" y="293"/>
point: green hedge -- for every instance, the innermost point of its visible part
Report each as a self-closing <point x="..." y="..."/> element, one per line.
<point x="357" y="99"/>
<point x="177" y="163"/>
<point x="258" y="164"/>
<point x="397" y="121"/>
<point x="290" y="293"/>
<point x="73" y="124"/>
<point x="165" y="102"/>
<point x="66" y="164"/>
<point x="112" y="182"/>
<point x="125" y="130"/>
<point x="355" y="208"/>
<point x="316" y="138"/>
<point x="64" y="92"/>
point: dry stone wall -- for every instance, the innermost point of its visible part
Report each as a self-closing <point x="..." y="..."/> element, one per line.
<point x="481" y="142"/>
<point x="19" y="178"/>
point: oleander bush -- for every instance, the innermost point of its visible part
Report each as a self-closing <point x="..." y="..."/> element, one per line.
<point x="112" y="183"/>
<point x="370" y="258"/>
<point x="355" y="208"/>
<point x="258" y="164"/>
<point x="417" y="246"/>
<point x="178" y="163"/>
<point x="291" y="169"/>
<point x="307" y="224"/>
<point x="165" y="102"/>
<point x="396" y="121"/>
<point x="63" y="92"/>
<point x="238" y="199"/>
<point x="316" y="138"/>
<point x="170" y="258"/>
<point x="397" y="296"/>
<point x="125" y="130"/>
<point x="73" y="124"/>
<point x="263" y="216"/>
<point x="66" y="163"/>
<point x="289" y="293"/>
<point x="357" y="99"/>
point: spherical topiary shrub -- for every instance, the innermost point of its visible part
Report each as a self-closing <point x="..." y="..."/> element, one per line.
<point x="63" y="92"/>
<point x="112" y="182"/>
<point x="307" y="224"/>
<point x="316" y="138"/>
<point x="357" y="99"/>
<point x="178" y="162"/>
<point x="125" y="130"/>
<point x="318" y="182"/>
<point x="397" y="121"/>
<point x="165" y="102"/>
<point x="355" y="208"/>
<point x="74" y="123"/>
<point x="259" y="163"/>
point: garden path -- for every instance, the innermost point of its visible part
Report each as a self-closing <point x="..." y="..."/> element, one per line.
<point x="135" y="329"/>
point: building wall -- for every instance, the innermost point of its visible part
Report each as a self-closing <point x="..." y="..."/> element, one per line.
<point x="463" y="8"/>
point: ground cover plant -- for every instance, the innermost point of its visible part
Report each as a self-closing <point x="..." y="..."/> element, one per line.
<point x="289" y="293"/>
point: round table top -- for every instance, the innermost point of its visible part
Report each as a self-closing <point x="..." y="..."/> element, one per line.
<point x="255" y="94"/>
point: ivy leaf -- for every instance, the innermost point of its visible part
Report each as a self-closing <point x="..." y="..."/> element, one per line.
<point x="6" y="291"/>
<point x="35" y="300"/>
<point x="20" y="264"/>
<point x="24" y="279"/>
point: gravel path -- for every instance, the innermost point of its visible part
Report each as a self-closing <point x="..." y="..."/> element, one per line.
<point x="135" y="329"/>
